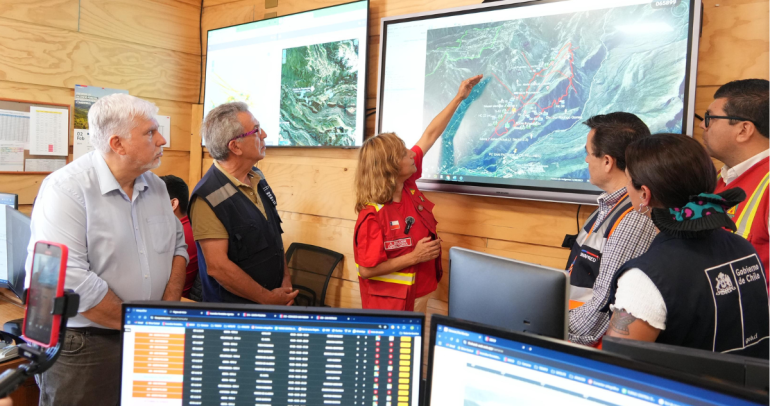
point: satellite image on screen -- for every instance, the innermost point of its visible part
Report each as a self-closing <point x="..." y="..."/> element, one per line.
<point x="318" y="94"/>
<point x="543" y="77"/>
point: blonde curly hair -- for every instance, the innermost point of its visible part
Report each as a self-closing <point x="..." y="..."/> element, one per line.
<point x="379" y="163"/>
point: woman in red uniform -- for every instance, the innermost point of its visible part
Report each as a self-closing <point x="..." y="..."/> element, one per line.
<point x="397" y="249"/>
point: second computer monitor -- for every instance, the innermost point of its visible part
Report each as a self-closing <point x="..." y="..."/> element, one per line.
<point x="14" y="240"/>
<point x="741" y="370"/>
<point x="473" y="364"/>
<point x="507" y="293"/>
<point x="210" y="353"/>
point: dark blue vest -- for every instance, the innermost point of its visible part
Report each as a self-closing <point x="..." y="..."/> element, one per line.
<point x="714" y="289"/>
<point x="255" y="244"/>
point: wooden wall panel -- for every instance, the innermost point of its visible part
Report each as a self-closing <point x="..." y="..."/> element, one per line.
<point x="174" y="163"/>
<point x="24" y="185"/>
<point x="725" y="25"/>
<point x="226" y="15"/>
<point x="148" y="47"/>
<point x="50" y="13"/>
<point x="167" y="24"/>
<point x="60" y="58"/>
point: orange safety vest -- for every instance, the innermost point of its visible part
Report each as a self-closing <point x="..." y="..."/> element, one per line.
<point x="751" y="215"/>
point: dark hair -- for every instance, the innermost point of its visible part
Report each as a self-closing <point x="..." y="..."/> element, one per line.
<point x="673" y="166"/>
<point x="613" y="133"/>
<point x="177" y="189"/>
<point x="747" y="98"/>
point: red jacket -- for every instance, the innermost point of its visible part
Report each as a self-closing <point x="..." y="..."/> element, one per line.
<point x="381" y="234"/>
<point x="751" y="215"/>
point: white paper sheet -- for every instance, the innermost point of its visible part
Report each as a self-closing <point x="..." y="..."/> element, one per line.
<point x="11" y="156"/>
<point x="164" y="127"/>
<point x="14" y="126"/>
<point x="48" y="131"/>
<point x="82" y="144"/>
<point x="44" y="165"/>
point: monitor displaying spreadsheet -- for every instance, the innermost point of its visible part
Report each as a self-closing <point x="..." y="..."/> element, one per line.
<point x="204" y="353"/>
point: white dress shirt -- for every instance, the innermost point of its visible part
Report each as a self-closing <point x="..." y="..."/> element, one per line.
<point x="114" y="242"/>
<point x="730" y="174"/>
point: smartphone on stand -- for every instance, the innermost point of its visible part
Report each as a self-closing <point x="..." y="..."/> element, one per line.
<point x="49" y="265"/>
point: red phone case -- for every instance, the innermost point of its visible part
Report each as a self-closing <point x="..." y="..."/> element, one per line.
<point x="59" y="293"/>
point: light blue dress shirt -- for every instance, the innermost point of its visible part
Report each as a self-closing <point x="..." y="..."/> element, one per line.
<point x="114" y="242"/>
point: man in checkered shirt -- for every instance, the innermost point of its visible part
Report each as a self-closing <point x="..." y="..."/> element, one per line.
<point x="615" y="232"/>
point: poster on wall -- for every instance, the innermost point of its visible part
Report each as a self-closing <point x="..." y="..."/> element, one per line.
<point x="85" y="97"/>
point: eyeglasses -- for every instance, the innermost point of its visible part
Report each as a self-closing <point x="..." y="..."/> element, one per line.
<point x="254" y="131"/>
<point x="708" y="117"/>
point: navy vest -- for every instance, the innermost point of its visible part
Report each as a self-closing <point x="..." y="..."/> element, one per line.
<point x="714" y="289"/>
<point x="255" y="244"/>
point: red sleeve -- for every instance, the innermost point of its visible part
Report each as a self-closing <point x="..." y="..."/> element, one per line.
<point x="418" y="163"/>
<point x="369" y="249"/>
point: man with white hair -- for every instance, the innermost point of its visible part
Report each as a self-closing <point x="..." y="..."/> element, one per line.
<point x="124" y="244"/>
<point x="234" y="216"/>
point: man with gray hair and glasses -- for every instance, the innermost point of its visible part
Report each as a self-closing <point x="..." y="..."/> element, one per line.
<point x="234" y="215"/>
<point x="125" y="243"/>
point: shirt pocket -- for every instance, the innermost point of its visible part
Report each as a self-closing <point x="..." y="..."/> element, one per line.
<point x="162" y="233"/>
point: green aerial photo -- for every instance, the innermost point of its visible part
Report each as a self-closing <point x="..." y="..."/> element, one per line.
<point x="318" y="94"/>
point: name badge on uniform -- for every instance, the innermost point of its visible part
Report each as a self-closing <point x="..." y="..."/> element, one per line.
<point x="397" y="244"/>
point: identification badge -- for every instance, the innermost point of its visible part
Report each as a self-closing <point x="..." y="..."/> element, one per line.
<point x="398" y="244"/>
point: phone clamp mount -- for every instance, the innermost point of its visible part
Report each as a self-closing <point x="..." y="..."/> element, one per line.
<point x="41" y="359"/>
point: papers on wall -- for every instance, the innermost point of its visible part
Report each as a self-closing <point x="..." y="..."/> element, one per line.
<point x="85" y="97"/>
<point x="11" y="156"/>
<point x="48" y="131"/>
<point x="44" y="165"/>
<point x="164" y="127"/>
<point x="14" y="126"/>
<point x="82" y="144"/>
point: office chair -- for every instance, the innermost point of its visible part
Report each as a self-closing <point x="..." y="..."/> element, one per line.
<point x="311" y="268"/>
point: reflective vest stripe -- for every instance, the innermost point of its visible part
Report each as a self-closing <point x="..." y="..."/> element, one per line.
<point x="622" y="199"/>
<point x="376" y="206"/>
<point x="619" y="220"/>
<point x="402" y="278"/>
<point x="750" y="209"/>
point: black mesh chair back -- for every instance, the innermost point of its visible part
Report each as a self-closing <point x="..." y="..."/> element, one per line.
<point x="311" y="268"/>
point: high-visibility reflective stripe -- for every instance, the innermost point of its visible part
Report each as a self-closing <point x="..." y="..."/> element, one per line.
<point x="220" y="195"/>
<point x="750" y="210"/>
<point x="394" y="277"/>
<point x="375" y="205"/>
<point x="612" y="231"/>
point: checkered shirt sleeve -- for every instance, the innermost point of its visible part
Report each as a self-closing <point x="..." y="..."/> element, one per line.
<point x="632" y="238"/>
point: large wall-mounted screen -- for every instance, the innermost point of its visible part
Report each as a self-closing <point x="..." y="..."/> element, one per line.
<point x="302" y="75"/>
<point x="548" y="66"/>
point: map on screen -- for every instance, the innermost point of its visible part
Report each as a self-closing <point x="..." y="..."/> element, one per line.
<point x="547" y="68"/>
<point x="318" y="94"/>
<point x="302" y="75"/>
<point x="546" y="75"/>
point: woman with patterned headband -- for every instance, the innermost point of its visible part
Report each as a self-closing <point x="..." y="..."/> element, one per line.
<point x="698" y="285"/>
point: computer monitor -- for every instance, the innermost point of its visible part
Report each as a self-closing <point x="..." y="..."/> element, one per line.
<point x="740" y="370"/>
<point x="475" y="365"/>
<point x="507" y="293"/>
<point x="9" y="199"/>
<point x="176" y="353"/>
<point x="14" y="240"/>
